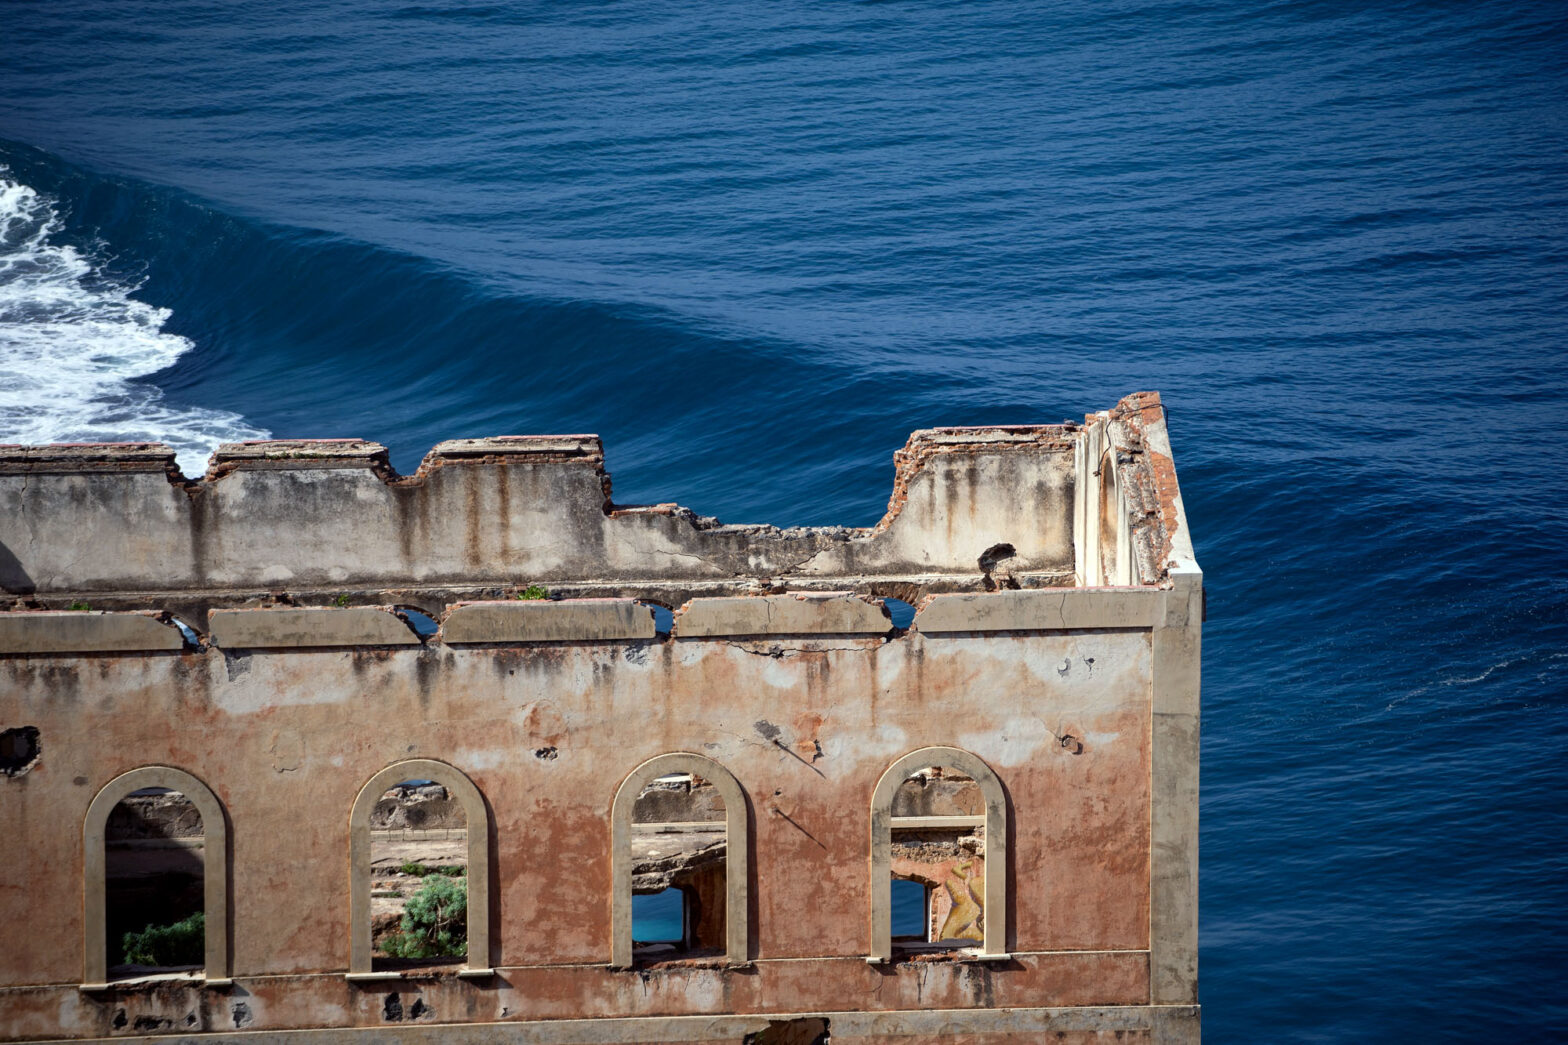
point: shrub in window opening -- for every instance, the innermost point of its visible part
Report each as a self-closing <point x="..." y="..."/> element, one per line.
<point x="183" y="943"/>
<point x="435" y="922"/>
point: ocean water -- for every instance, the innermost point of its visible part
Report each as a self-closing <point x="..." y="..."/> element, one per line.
<point x="754" y="245"/>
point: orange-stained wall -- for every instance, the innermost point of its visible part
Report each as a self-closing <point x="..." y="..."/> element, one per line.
<point x="286" y="739"/>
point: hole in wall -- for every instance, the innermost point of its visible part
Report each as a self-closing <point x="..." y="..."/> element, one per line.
<point x="663" y="618"/>
<point x="801" y="1030"/>
<point x="659" y="918"/>
<point x="910" y="909"/>
<point x="423" y="624"/>
<point x="19" y="750"/>
<point x="903" y="613"/>
<point x="994" y="555"/>
<point x="192" y="640"/>
<point x="994" y="565"/>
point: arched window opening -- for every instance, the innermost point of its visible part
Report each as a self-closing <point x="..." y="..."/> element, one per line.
<point x="679" y="863"/>
<point x="938" y="857"/>
<point x="938" y="843"/>
<point x="156" y="889"/>
<point x="154" y="907"/>
<point x="418" y="877"/>
<point x="678" y="868"/>
<point x="419" y="893"/>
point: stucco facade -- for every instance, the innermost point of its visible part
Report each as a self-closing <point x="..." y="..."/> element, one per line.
<point x="241" y="643"/>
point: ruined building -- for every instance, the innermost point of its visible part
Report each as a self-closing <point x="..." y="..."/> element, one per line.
<point x="305" y="750"/>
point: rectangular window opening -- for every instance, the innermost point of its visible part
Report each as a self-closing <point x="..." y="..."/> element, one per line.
<point x="660" y="921"/>
<point x="911" y="911"/>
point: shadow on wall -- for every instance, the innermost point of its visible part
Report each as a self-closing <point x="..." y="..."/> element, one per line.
<point x="14" y="580"/>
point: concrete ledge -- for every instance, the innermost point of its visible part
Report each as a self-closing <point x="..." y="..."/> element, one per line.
<point x="1159" y="1024"/>
<point x="298" y="453"/>
<point x="85" y="458"/>
<point x="70" y="631"/>
<point x="829" y="613"/>
<point x="1048" y="436"/>
<point x="1042" y="610"/>
<point x="551" y="447"/>
<point x="283" y="628"/>
<point x="579" y="620"/>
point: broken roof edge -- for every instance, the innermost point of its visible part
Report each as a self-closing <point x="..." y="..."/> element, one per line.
<point x="18" y="458"/>
<point x="273" y="454"/>
<point x="1159" y="523"/>
<point x="360" y="453"/>
<point x="1004" y="493"/>
<point x="925" y="444"/>
<point x="1178" y="555"/>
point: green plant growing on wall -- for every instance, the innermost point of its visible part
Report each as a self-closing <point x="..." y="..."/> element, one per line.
<point x="78" y="606"/>
<point x="533" y="591"/>
<point x="183" y="943"/>
<point x="435" y="922"/>
<point x="341" y="600"/>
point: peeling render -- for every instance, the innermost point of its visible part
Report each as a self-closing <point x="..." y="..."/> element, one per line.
<point x="247" y="635"/>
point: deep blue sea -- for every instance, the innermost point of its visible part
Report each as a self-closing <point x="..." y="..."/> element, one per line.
<point x="754" y="245"/>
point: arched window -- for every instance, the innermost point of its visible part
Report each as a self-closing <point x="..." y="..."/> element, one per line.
<point x="666" y="809"/>
<point x="939" y="819"/>
<point x="158" y="812"/>
<point x="426" y="822"/>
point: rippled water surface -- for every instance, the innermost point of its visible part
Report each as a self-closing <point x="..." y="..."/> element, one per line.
<point x="754" y="245"/>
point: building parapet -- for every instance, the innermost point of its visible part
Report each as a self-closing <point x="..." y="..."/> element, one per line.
<point x="329" y="522"/>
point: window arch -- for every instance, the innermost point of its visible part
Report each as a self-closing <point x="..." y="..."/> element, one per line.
<point x="992" y="818"/>
<point x="477" y="821"/>
<point x="736" y="938"/>
<point x="215" y="870"/>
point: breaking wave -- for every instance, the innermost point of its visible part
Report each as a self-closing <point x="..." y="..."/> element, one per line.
<point x="76" y="346"/>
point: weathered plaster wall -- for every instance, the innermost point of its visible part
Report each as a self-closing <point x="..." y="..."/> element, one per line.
<point x="275" y="733"/>
<point x="1083" y="702"/>
<point x="493" y="513"/>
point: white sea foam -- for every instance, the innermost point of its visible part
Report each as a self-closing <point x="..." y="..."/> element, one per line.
<point x="72" y="340"/>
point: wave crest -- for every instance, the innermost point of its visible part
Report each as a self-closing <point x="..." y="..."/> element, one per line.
<point x="74" y="342"/>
